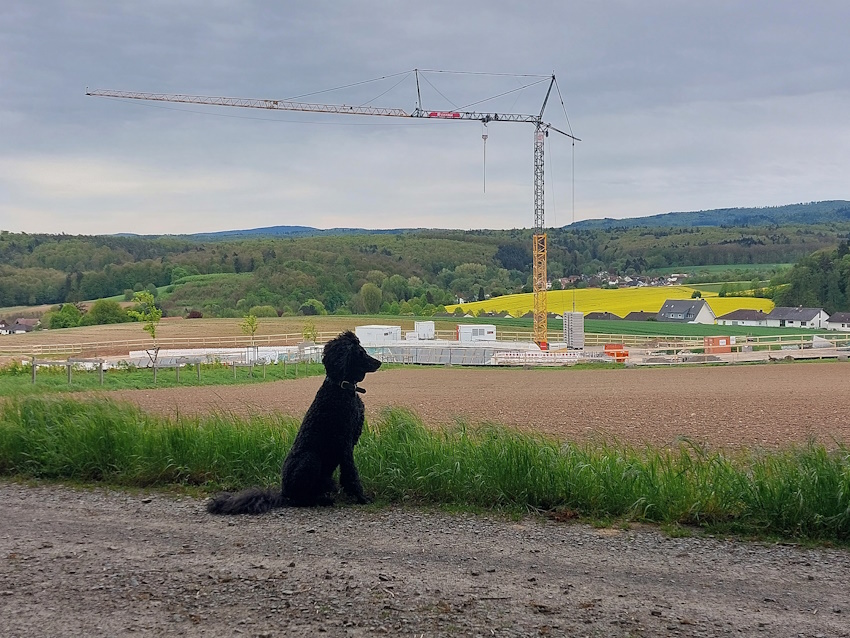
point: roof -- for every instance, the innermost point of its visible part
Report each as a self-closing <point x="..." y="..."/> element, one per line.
<point x="840" y="317"/>
<point x="688" y="308"/>
<point x="640" y="315"/>
<point x="796" y="313"/>
<point x="601" y="315"/>
<point x="743" y="314"/>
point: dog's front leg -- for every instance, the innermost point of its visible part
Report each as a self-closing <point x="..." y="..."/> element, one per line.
<point x="349" y="478"/>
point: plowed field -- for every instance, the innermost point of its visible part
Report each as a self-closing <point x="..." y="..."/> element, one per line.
<point x="766" y="405"/>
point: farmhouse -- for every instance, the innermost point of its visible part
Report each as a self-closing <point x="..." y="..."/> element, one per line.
<point x="839" y="321"/>
<point x="743" y="317"/>
<point x="20" y="326"/>
<point x="686" y="311"/>
<point x="797" y="317"/>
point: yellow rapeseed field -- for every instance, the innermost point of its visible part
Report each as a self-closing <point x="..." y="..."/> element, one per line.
<point x="620" y="301"/>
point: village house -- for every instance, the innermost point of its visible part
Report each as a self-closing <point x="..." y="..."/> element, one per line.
<point x="602" y="315"/>
<point x="797" y="317"/>
<point x="640" y="315"/>
<point x="743" y="317"/>
<point x="20" y="326"/>
<point x="839" y="321"/>
<point x="686" y="311"/>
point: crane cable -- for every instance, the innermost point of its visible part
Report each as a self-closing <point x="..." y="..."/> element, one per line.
<point x="484" y="137"/>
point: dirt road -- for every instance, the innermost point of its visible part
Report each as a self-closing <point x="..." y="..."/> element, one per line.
<point x="95" y="563"/>
<point x="755" y="405"/>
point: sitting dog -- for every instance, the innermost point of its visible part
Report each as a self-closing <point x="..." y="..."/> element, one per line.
<point x="325" y="440"/>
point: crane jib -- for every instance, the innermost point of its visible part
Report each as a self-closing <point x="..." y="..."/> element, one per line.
<point x="541" y="130"/>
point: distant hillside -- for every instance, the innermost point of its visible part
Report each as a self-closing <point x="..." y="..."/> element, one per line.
<point x="810" y="213"/>
<point x="272" y="232"/>
<point x="288" y="231"/>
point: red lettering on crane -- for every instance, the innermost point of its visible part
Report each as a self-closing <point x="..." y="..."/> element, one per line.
<point x="444" y="114"/>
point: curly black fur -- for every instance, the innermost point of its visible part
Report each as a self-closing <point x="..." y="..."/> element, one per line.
<point x="325" y="440"/>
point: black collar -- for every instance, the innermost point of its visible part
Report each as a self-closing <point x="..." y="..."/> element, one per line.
<point x="347" y="385"/>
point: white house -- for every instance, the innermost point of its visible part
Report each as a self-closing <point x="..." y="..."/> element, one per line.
<point x="797" y="317"/>
<point x="839" y="321"/>
<point x="686" y="311"/>
<point x="743" y="317"/>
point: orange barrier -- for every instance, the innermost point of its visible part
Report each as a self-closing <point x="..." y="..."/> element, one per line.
<point x="617" y="351"/>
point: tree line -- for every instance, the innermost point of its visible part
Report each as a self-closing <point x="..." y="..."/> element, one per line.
<point x="820" y="280"/>
<point x="410" y="272"/>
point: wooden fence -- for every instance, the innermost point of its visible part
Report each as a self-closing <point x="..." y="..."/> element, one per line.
<point x="591" y="340"/>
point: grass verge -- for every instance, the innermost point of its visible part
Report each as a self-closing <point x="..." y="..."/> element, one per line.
<point x="16" y="380"/>
<point x="800" y="492"/>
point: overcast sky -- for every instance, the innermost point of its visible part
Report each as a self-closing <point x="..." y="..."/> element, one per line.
<point x="680" y="105"/>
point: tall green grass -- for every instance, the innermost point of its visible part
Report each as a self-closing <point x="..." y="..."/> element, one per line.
<point x="801" y="492"/>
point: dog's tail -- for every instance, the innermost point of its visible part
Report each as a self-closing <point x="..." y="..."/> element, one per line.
<point x="254" y="500"/>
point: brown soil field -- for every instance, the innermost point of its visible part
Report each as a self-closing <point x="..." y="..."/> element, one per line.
<point x="766" y="405"/>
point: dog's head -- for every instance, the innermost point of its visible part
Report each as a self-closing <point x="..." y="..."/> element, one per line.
<point x="346" y="360"/>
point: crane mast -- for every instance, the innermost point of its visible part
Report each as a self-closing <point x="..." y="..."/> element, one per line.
<point x="541" y="130"/>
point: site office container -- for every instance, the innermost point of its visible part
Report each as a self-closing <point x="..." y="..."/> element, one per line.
<point x="422" y="331"/>
<point x="717" y="345"/>
<point x="476" y="333"/>
<point x="377" y="334"/>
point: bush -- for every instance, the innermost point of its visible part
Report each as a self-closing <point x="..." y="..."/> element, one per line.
<point x="104" y="311"/>
<point x="263" y="311"/>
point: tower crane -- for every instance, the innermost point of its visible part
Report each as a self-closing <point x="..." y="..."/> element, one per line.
<point x="541" y="131"/>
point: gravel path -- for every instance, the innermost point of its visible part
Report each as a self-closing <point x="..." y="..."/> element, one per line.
<point x="91" y="562"/>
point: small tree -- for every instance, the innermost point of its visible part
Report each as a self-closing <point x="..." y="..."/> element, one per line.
<point x="696" y="294"/>
<point x="249" y="327"/>
<point x="147" y="312"/>
<point x="310" y="333"/>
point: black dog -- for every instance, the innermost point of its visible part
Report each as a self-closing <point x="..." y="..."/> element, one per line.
<point x="325" y="440"/>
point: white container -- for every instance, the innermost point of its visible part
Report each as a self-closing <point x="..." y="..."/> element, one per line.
<point x="377" y="335"/>
<point x="424" y="330"/>
<point x="469" y="333"/>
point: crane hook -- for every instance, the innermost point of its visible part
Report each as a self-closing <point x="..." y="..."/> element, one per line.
<point x="484" y="137"/>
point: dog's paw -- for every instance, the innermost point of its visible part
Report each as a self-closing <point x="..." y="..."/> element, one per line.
<point x="362" y="499"/>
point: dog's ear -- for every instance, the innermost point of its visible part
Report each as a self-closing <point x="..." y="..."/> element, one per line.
<point x="339" y="355"/>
